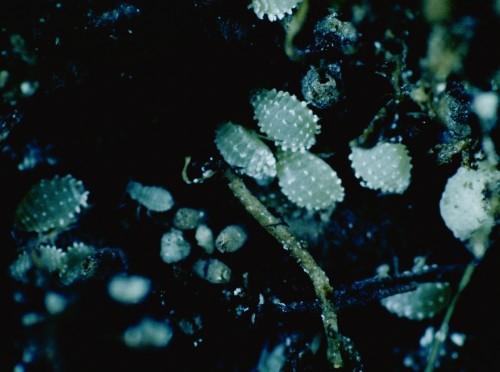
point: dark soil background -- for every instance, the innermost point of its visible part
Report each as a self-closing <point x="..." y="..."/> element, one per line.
<point x="129" y="99"/>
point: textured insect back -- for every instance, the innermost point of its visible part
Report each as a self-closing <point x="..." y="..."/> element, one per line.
<point x="308" y="181"/>
<point x="154" y="198"/>
<point x="465" y="209"/>
<point x="79" y="263"/>
<point x="273" y="9"/>
<point x="242" y="148"/>
<point x="422" y="303"/>
<point x="385" y="167"/>
<point x="285" y="119"/>
<point x="52" y="204"/>
<point x="50" y="258"/>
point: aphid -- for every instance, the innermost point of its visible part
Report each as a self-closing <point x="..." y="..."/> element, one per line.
<point x="308" y="181"/>
<point x="154" y="198"/>
<point x="385" y="167"/>
<point x="273" y="9"/>
<point x="128" y="289"/>
<point x="51" y="205"/>
<point x="188" y="218"/>
<point x="424" y="302"/>
<point x="148" y="333"/>
<point x="243" y="149"/>
<point x="205" y="238"/>
<point x="174" y="247"/>
<point x="285" y="119"/>
<point x="231" y="238"/>
<point x="212" y="270"/>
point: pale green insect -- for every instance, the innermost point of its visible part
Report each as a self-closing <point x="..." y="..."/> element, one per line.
<point x="308" y="181"/>
<point x="285" y="119"/>
<point x="243" y="149"/>
<point x="51" y="205"/>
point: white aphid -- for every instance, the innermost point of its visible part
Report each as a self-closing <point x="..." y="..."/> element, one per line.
<point x="205" y="238"/>
<point x="273" y="9"/>
<point x="285" y="119"/>
<point x="188" y="218"/>
<point x="242" y="148"/>
<point x="463" y="206"/>
<point x="128" y="289"/>
<point x="385" y="167"/>
<point x="212" y="270"/>
<point x="148" y="333"/>
<point x="308" y="181"/>
<point x="231" y="238"/>
<point x="422" y="303"/>
<point x="154" y="198"/>
<point x="174" y="247"/>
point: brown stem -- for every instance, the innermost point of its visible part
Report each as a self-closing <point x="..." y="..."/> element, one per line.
<point x="290" y="243"/>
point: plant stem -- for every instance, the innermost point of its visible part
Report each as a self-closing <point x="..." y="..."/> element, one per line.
<point x="442" y="333"/>
<point x="290" y="243"/>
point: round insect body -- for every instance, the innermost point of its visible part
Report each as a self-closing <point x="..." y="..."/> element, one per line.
<point x="128" y="289"/>
<point x="212" y="270"/>
<point x="51" y="205"/>
<point x="308" y="181"/>
<point x="205" y="238"/>
<point x="463" y="205"/>
<point x="174" y="247"/>
<point x="188" y="218"/>
<point x="385" y="167"/>
<point x="285" y="119"/>
<point x="154" y="198"/>
<point x="243" y="149"/>
<point x="148" y="333"/>
<point x="231" y="238"/>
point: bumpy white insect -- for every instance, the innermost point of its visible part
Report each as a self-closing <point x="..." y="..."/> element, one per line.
<point x="424" y="302"/>
<point x="174" y="247"/>
<point x="50" y="258"/>
<point x="212" y="270"/>
<point x="231" y="238"/>
<point x="385" y="167"/>
<point x="285" y="119"/>
<point x="273" y="9"/>
<point x="242" y="148"/>
<point x="78" y="263"/>
<point x="154" y="198"/>
<point x="308" y="181"/>
<point x="463" y="206"/>
<point x="52" y="204"/>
